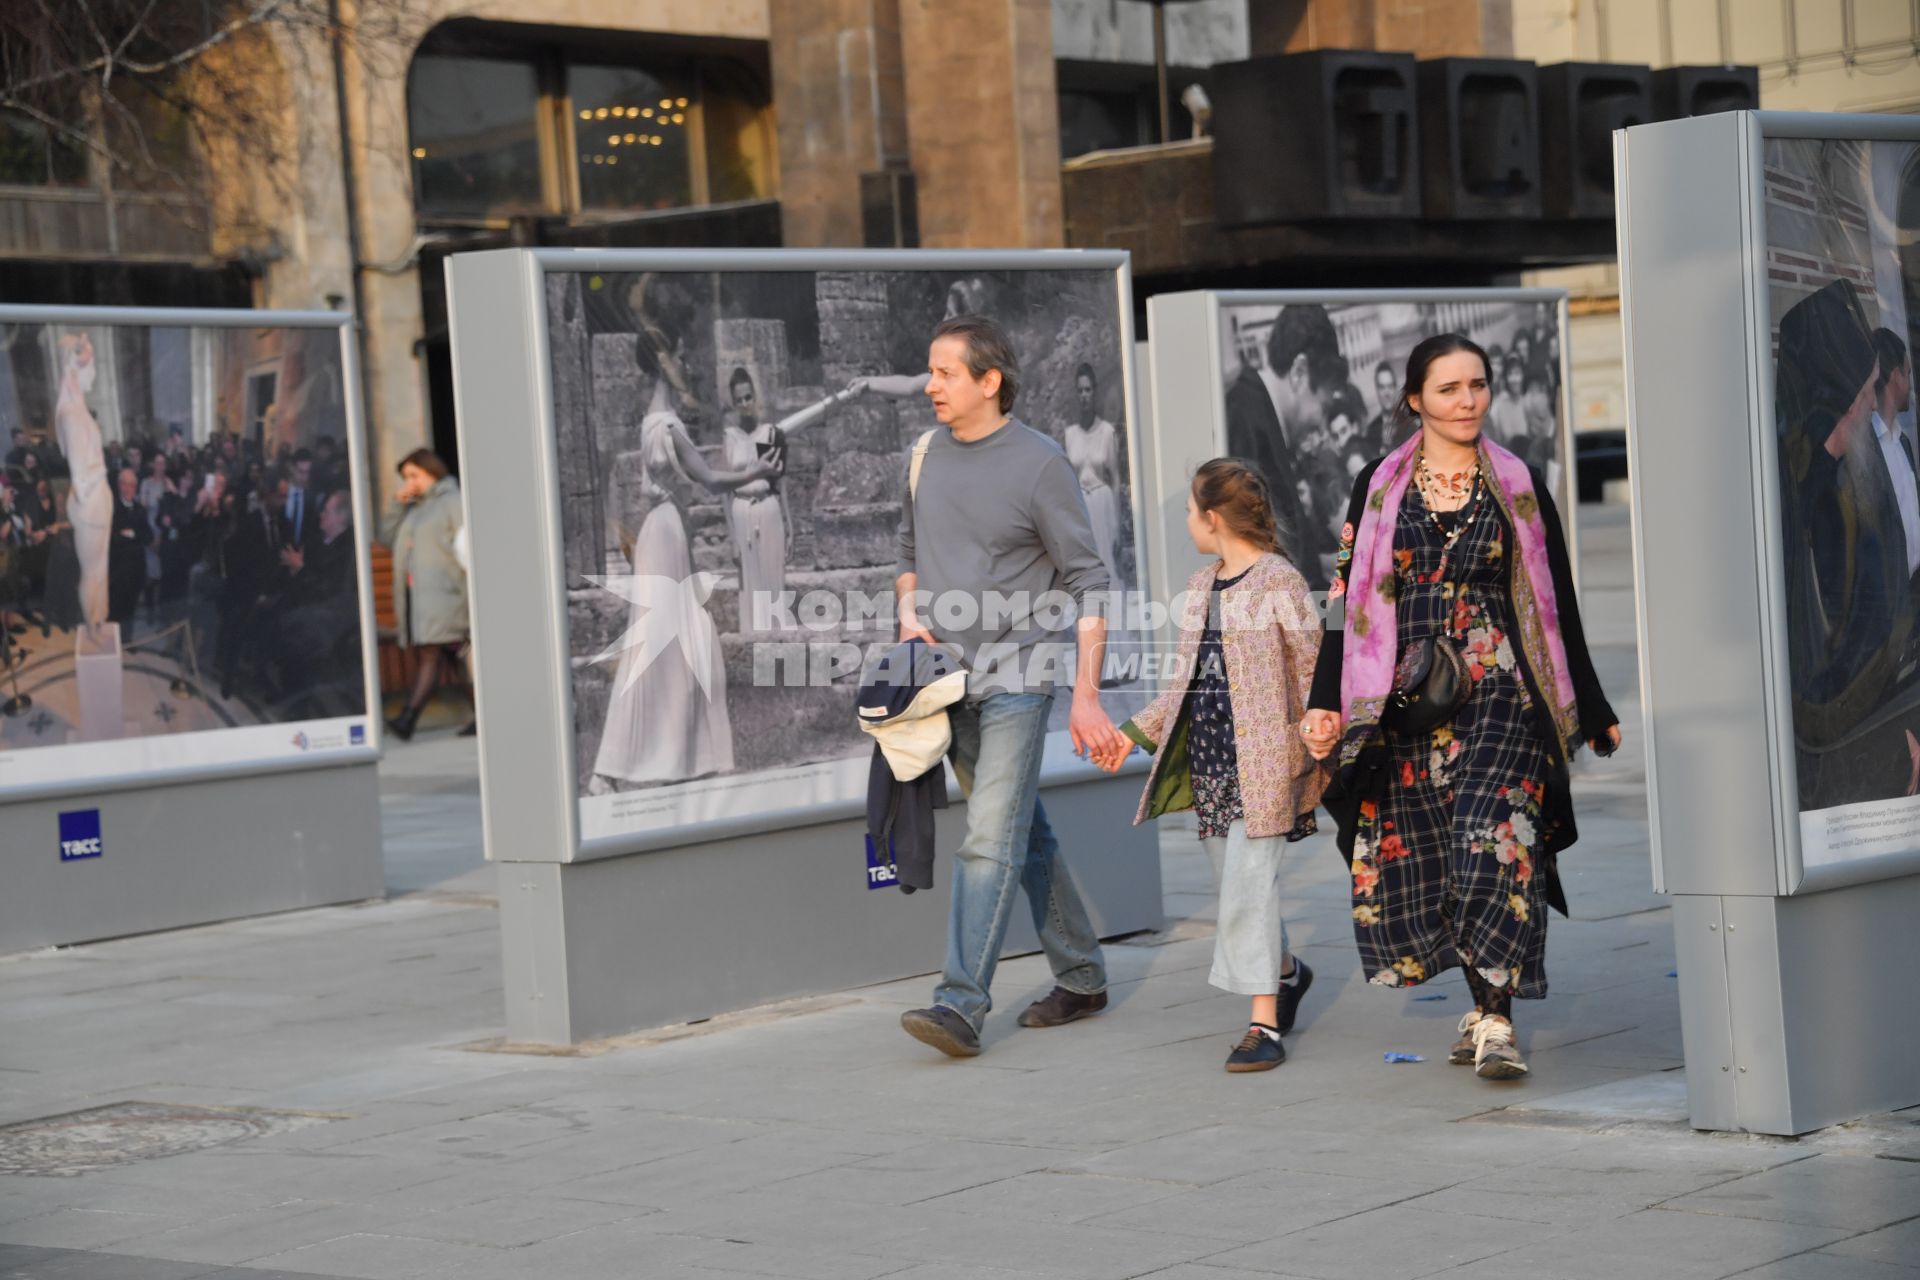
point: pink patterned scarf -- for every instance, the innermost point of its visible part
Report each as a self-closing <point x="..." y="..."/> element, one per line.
<point x="1372" y="647"/>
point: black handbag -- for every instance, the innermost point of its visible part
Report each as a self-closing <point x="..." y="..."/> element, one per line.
<point x="1433" y="685"/>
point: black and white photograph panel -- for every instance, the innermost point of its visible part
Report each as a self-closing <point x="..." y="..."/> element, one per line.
<point x="1311" y="388"/>
<point x="1843" y="281"/>
<point x="177" y="554"/>
<point x="732" y="454"/>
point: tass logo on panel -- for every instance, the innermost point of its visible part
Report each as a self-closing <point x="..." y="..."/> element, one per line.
<point x="79" y="835"/>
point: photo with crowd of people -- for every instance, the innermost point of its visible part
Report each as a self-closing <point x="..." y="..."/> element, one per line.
<point x="178" y="500"/>
<point x="1310" y="389"/>
<point x="1843" y="260"/>
<point x="749" y="432"/>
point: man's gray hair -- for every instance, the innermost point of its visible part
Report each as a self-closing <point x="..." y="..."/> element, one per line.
<point x="987" y="348"/>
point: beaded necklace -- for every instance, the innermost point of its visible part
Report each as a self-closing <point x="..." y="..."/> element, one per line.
<point x="1465" y="514"/>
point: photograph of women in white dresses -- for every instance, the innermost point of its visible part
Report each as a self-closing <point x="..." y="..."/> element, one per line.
<point x="732" y="445"/>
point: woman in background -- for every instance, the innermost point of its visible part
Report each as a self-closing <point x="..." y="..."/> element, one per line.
<point x="430" y="588"/>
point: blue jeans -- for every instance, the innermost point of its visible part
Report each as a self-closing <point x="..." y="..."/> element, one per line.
<point x="996" y="757"/>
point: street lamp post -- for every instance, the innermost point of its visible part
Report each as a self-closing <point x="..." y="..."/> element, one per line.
<point x="1160" y="64"/>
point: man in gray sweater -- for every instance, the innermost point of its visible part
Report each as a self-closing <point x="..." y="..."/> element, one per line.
<point x="998" y="560"/>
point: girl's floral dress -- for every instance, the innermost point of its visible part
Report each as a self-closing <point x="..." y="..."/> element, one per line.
<point x="1443" y="866"/>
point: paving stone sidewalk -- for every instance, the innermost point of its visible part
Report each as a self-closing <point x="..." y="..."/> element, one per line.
<point x="813" y="1140"/>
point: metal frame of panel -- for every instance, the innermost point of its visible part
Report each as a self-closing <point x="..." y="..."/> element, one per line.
<point x="356" y="446"/>
<point x="508" y="356"/>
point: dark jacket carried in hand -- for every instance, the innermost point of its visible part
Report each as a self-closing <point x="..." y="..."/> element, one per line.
<point x="903" y="706"/>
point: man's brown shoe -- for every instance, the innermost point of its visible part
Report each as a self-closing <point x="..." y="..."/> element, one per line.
<point x="1061" y="1006"/>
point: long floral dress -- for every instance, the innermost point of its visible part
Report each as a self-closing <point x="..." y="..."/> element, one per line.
<point x="1443" y="866"/>
<point x="1213" y="757"/>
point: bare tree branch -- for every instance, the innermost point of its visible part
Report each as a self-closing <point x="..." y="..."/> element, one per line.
<point x="158" y="88"/>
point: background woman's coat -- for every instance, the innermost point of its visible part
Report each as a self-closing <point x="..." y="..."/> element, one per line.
<point x="429" y="586"/>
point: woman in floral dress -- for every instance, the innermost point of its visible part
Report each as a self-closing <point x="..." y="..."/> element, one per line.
<point x="1453" y="834"/>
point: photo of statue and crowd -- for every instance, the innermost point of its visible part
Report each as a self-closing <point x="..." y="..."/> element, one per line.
<point x="1309" y="387"/>
<point x="1843" y="259"/>
<point x="746" y="435"/>
<point x="176" y="532"/>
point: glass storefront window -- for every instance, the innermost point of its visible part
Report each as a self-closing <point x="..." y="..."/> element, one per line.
<point x="741" y="147"/>
<point x="631" y="132"/>
<point x="476" y="147"/>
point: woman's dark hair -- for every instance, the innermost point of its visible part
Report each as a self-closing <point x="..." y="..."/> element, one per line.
<point x="1085" y="371"/>
<point x="739" y="376"/>
<point x="987" y="348"/>
<point x="1421" y="359"/>
<point x="427" y="460"/>
<point x="1237" y="492"/>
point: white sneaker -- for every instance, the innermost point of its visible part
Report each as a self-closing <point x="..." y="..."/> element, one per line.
<point x="1494" y="1055"/>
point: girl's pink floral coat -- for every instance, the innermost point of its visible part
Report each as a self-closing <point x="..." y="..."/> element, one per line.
<point x="1270" y="636"/>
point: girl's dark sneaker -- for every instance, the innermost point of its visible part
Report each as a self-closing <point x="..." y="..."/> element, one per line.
<point x="1289" y="996"/>
<point x="1258" y="1051"/>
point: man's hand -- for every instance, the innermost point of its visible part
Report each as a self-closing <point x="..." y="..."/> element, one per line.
<point x="908" y="615"/>
<point x="295" y="560"/>
<point x="1093" y="734"/>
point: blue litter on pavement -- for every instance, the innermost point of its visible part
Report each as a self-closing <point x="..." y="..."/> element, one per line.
<point x="1426" y="999"/>
<point x="1673" y="973"/>
<point x="1404" y="1057"/>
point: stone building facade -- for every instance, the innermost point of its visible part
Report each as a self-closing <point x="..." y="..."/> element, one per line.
<point x="939" y="123"/>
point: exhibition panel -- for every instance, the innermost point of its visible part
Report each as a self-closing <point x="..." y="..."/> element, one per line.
<point x="1769" y="322"/>
<point x="684" y="475"/>
<point x="189" y="720"/>
<point x="712" y="632"/>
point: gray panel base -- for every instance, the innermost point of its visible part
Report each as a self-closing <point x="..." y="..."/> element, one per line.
<point x="597" y="948"/>
<point x="192" y="853"/>
<point x="1798" y="1013"/>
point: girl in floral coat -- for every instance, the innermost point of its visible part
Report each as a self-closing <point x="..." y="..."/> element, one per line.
<point x="1224" y="743"/>
<point x="1453" y="833"/>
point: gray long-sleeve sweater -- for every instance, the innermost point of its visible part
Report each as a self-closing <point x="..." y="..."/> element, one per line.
<point x="1003" y="549"/>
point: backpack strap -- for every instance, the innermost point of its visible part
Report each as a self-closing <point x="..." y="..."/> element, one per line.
<point x="914" y="464"/>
